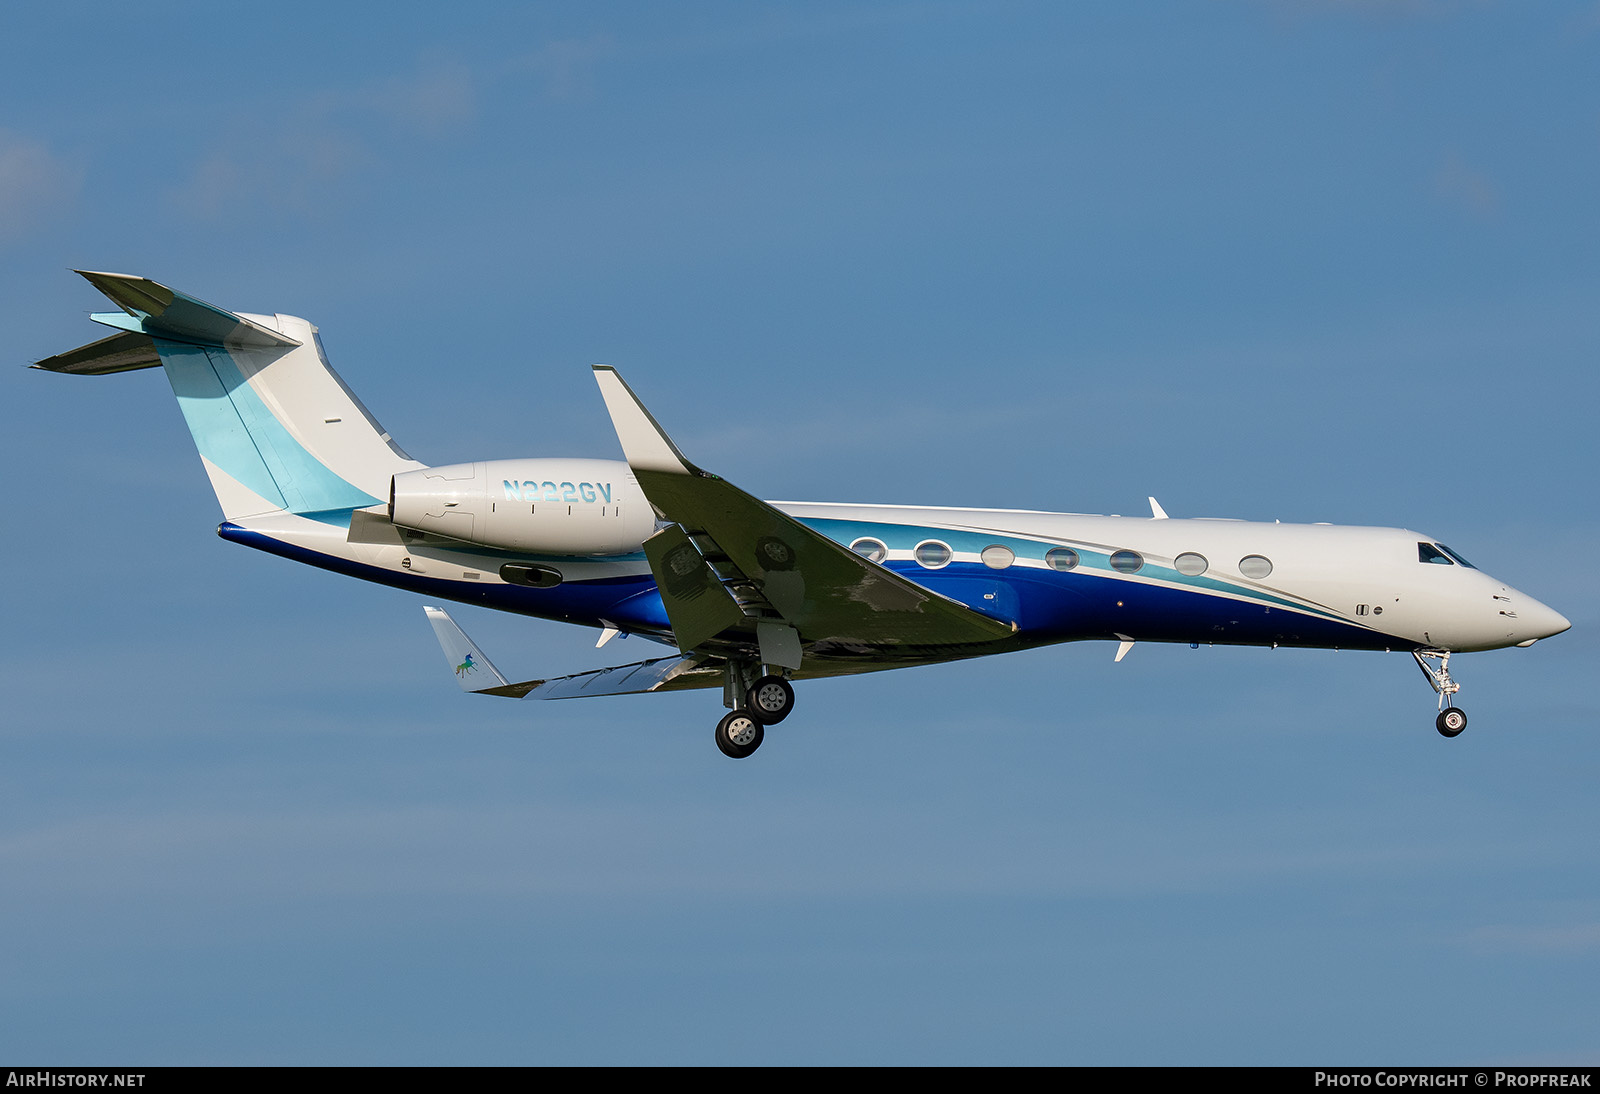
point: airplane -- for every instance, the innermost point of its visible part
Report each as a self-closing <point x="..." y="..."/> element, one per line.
<point x="751" y="595"/>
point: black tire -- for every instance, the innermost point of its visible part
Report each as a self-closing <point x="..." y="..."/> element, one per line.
<point x="769" y="700"/>
<point x="1451" y="721"/>
<point x="739" y="734"/>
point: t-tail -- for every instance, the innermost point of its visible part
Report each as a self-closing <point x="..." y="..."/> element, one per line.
<point x="277" y="429"/>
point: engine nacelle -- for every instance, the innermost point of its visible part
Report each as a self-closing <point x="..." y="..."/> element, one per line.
<point x="544" y="507"/>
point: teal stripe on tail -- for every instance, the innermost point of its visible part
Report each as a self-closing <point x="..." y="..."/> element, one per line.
<point x="236" y="432"/>
<point x="277" y="428"/>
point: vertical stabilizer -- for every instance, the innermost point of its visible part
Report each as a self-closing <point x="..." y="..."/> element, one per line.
<point x="277" y="429"/>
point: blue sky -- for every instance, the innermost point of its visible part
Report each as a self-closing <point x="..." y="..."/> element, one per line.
<point x="1310" y="261"/>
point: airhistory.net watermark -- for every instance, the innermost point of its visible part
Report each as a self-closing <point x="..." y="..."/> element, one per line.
<point x="41" y="1077"/>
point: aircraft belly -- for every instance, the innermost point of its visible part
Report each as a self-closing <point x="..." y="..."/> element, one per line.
<point x="583" y="602"/>
<point x="1154" y="613"/>
<point x="1060" y="607"/>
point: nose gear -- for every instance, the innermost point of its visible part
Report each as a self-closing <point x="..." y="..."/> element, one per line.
<point x="1452" y="719"/>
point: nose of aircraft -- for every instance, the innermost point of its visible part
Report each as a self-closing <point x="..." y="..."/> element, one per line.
<point x="1536" y="621"/>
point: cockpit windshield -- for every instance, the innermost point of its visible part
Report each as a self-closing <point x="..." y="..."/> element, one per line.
<point x="1440" y="555"/>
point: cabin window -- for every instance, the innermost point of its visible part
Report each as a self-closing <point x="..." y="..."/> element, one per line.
<point x="870" y="549"/>
<point x="932" y="554"/>
<point x="997" y="557"/>
<point x="1126" y="562"/>
<point x="1427" y="552"/>
<point x="1255" y="566"/>
<point x="1061" y="558"/>
<point x="1455" y="556"/>
<point x="1190" y="564"/>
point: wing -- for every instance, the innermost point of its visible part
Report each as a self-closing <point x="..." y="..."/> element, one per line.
<point x="740" y="577"/>
<point x="477" y="674"/>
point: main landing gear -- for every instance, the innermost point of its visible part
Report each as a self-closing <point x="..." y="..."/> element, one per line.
<point x="738" y="734"/>
<point x="770" y="699"/>
<point x="757" y="697"/>
<point x="1452" y="719"/>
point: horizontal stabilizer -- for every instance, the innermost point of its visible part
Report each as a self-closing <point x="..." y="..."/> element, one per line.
<point x="119" y="353"/>
<point x="154" y="309"/>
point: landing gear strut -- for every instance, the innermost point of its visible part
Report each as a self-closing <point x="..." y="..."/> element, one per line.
<point x="756" y="697"/>
<point x="1452" y="719"/>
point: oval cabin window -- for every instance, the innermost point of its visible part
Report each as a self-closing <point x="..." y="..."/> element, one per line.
<point x="870" y="549"/>
<point x="997" y="557"/>
<point x="1061" y="558"/>
<point x="932" y="554"/>
<point x="1255" y="567"/>
<point x="1126" y="562"/>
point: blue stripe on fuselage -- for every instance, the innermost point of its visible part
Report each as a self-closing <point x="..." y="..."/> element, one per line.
<point x="1050" y="606"/>
<point x="1093" y="602"/>
<point x="631" y="603"/>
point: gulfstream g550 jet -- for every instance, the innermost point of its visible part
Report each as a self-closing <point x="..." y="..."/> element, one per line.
<point x="750" y="595"/>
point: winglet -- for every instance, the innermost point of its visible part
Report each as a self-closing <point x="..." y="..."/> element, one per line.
<point x="644" y="442"/>
<point x="1156" y="512"/>
<point x="471" y="667"/>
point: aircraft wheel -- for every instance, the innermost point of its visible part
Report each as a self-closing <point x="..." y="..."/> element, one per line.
<point x="1451" y="721"/>
<point x="738" y="734"/>
<point x="769" y="700"/>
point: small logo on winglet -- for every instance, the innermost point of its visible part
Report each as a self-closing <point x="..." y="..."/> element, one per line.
<point x="469" y="665"/>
